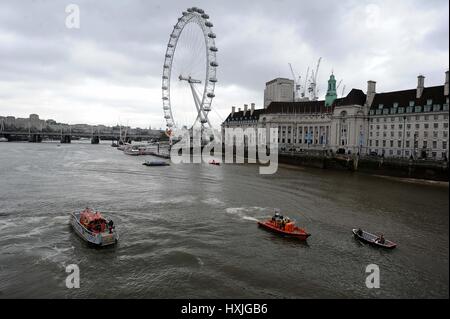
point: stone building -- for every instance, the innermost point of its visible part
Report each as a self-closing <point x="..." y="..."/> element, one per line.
<point x="411" y="123"/>
<point x="408" y="123"/>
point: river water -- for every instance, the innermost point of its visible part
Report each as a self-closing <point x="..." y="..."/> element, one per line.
<point x="189" y="231"/>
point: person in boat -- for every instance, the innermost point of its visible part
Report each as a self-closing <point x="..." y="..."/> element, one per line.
<point x="380" y="239"/>
<point x="111" y="226"/>
<point x="359" y="232"/>
<point x="275" y="217"/>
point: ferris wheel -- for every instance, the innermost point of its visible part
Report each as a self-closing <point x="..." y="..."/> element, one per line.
<point x="189" y="71"/>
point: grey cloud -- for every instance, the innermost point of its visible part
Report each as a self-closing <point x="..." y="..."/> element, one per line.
<point x="122" y="43"/>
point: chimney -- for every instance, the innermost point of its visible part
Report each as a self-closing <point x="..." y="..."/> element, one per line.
<point x="233" y="109"/>
<point x="245" y="109"/>
<point x="420" y="86"/>
<point x="371" y="91"/>
<point x="252" y="108"/>
<point x="239" y="109"/>
<point x="446" y="88"/>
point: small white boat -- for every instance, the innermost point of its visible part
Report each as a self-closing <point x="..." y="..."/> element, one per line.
<point x="3" y="139"/>
<point x="94" y="228"/>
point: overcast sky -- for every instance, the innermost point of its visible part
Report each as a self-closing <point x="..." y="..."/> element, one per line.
<point x="109" y="70"/>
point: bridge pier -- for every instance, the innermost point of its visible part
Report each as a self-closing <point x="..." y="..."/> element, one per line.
<point x="65" y="139"/>
<point x="95" y="140"/>
<point x="35" y="138"/>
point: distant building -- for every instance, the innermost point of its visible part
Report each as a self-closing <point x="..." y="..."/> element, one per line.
<point x="278" y="90"/>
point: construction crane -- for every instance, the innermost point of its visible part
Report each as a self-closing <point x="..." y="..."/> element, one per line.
<point x="342" y="93"/>
<point x="339" y="84"/>
<point x="314" y="82"/>
<point x="305" y="86"/>
<point x="297" y="85"/>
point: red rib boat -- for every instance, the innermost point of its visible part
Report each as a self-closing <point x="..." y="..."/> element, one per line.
<point x="281" y="227"/>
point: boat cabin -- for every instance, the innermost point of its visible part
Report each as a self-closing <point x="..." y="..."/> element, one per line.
<point x="93" y="221"/>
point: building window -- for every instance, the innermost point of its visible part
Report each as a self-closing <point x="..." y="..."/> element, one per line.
<point x="407" y="143"/>
<point x="446" y="125"/>
<point x="433" y="154"/>
<point x="411" y="103"/>
<point x="395" y="105"/>
<point x="392" y="143"/>
<point x="384" y="143"/>
<point x="380" y="106"/>
<point x="434" y="144"/>
<point x="399" y="143"/>
<point x="401" y="110"/>
<point x="444" y="145"/>
<point x="417" y="126"/>
<point x="429" y="101"/>
<point x="436" y="125"/>
<point x="426" y="125"/>
<point x="418" y="109"/>
<point x="425" y="144"/>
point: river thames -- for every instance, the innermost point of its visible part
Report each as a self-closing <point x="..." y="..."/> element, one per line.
<point x="189" y="231"/>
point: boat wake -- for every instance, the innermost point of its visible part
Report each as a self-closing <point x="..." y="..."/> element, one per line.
<point x="246" y="212"/>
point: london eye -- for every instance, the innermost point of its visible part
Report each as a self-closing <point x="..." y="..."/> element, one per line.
<point x="189" y="72"/>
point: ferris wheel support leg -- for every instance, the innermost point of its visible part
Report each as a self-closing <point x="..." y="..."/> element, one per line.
<point x="198" y="106"/>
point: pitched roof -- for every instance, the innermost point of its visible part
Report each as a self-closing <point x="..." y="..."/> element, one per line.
<point x="239" y="116"/>
<point x="355" y="96"/>
<point x="435" y="93"/>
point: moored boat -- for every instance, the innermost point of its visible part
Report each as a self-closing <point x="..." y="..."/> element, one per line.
<point x="372" y="239"/>
<point x="155" y="163"/>
<point x="284" y="226"/>
<point x="94" y="228"/>
<point x="214" y="162"/>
